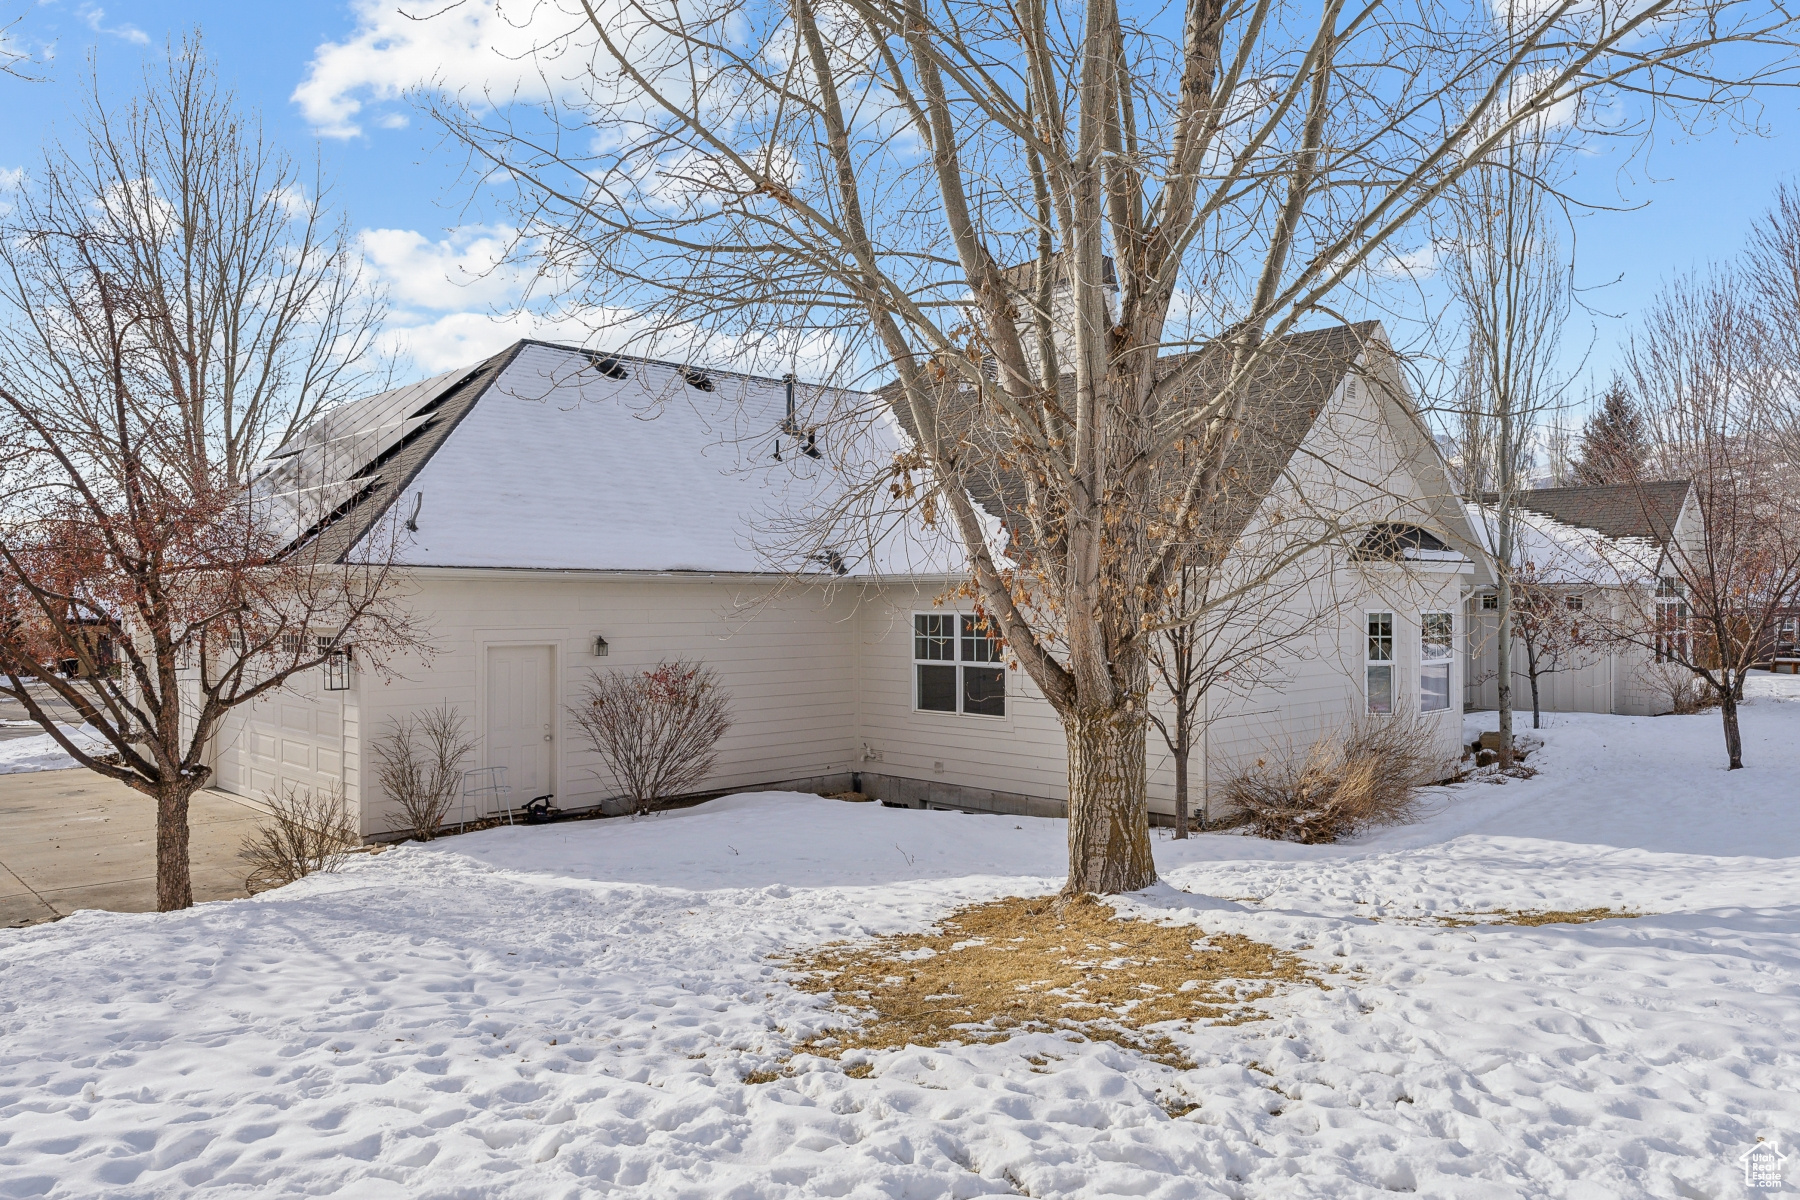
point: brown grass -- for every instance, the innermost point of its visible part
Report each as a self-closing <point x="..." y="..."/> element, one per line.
<point x="1541" y="916"/>
<point x="1015" y="965"/>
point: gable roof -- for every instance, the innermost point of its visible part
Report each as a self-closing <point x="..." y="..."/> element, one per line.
<point x="555" y="457"/>
<point x="1618" y="510"/>
<point x="1287" y="391"/>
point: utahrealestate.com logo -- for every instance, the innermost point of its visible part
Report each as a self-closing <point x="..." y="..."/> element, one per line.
<point x="1762" y="1165"/>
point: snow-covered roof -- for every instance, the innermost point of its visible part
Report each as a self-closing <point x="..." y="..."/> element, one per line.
<point x="554" y="457"/>
<point x="1559" y="553"/>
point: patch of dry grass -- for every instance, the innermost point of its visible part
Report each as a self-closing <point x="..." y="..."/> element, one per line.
<point x="1016" y="965"/>
<point x="1540" y="916"/>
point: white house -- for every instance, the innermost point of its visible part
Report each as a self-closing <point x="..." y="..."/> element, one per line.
<point x="565" y="512"/>
<point x="1591" y="549"/>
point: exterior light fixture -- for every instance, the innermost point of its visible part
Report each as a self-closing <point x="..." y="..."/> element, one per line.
<point x="600" y="647"/>
<point x="337" y="670"/>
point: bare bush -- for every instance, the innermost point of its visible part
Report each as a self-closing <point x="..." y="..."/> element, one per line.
<point x="1679" y="687"/>
<point x="308" y="830"/>
<point x="1367" y="776"/>
<point x="658" y="730"/>
<point x="419" y="765"/>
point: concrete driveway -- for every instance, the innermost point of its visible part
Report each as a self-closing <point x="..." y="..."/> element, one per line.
<point x="72" y="839"/>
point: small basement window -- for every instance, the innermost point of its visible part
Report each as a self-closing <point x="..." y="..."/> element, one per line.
<point x="957" y="665"/>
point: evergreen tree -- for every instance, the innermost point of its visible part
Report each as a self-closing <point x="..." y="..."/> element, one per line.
<point x="1614" y="443"/>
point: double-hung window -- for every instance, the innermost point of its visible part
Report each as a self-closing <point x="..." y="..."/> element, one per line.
<point x="1378" y="665"/>
<point x="957" y="666"/>
<point x="1437" y="649"/>
<point x="1671" y="620"/>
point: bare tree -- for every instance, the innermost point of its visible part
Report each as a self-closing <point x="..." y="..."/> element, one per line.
<point x="1709" y="387"/>
<point x="1549" y="617"/>
<point x="658" y="730"/>
<point x="168" y="314"/>
<point x="1512" y="279"/>
<point x="1014" y="211"/>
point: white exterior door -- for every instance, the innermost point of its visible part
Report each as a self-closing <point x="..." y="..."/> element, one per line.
<point x="521" y="719"/>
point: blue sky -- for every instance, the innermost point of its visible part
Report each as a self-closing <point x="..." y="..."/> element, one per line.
<point x="331" y="76"/>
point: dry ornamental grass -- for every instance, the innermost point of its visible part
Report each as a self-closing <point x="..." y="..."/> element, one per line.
<point x="1016" y="965"/>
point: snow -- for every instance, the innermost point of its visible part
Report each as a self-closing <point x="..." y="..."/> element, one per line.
<point x="41" y="753"/>
<point x="560" y="467"/>
<point x="570" y="1010"/>
<point x="1557" y="553"/>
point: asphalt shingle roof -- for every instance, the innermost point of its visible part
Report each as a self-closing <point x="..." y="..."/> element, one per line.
<point x="1618" y="510"/>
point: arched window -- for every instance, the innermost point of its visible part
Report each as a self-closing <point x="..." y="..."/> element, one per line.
<point x="1395" y="541"/>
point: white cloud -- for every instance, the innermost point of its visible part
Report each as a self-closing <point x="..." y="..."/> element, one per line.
<point x="463" y="270"/>
<point x="1416" y="263"/>
<point x="11" y="178"/>
<point x="473" y="46"/>
<point x="95" y="16"/>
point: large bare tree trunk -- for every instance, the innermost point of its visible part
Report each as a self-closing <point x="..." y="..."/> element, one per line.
<point x="174" y="882"/>
<point x="1109" y="819"/>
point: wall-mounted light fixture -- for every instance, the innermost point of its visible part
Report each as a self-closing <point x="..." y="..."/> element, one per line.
<point x="600" y="646"/>
<point x="337" y="670"/>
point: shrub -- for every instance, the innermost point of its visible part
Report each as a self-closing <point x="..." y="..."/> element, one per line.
<point x="657" y="730"/>
<point x="419" y="765"/>
<point x="307" y="830"/>
<point x="1369" y="775"/>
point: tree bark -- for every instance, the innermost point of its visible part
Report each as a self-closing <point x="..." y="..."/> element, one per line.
<point x="1109" y="814"/>
<point x="1181" y="781"/>
<point x="1734" y="743"/>
<point x="174" y="880"/>
<point x="1531" y="666"/>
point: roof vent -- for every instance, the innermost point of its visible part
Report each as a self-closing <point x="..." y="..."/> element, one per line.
<point x="697" y="379"/>
<point x="832" y="559"/>
<point x="611" y="367"/>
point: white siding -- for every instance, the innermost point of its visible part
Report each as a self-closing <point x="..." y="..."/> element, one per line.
<point x="1599" y="680"/>
<point x="786" y="657"/>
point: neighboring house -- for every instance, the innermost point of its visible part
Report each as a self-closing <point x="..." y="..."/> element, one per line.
<point x="1595" y="550"/>
<point x="563" y="511"/>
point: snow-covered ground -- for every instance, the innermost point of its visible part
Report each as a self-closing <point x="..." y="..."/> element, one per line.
<point x="39" y="752"/>
<point x="570" y="1011"/>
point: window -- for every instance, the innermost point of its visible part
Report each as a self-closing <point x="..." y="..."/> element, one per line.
<point x="1437" y="648"/>
<point x="1490" y="602"/>
<point x="957" y="665"/>
<point x="1379" y="662"/>
<point x="1573" y="603"/>
<point x="1787" y="635"/>
<point x="1399" y="541"/>
<point x="1671" y="620"/>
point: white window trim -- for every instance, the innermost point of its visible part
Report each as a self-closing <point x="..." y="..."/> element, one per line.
<point x="958" y="662"/>
<point x="1448" y="662"/>
<point x="1391" y="662"/>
